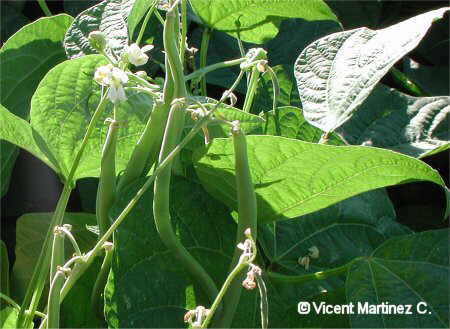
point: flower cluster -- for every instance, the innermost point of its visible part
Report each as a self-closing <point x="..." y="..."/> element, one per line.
<point x="114" y="78"/>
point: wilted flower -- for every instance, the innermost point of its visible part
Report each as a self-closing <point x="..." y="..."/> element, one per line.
<point x="313" y="252"/>
<point x="114" y="78"/>
<point x="135" y="55"/>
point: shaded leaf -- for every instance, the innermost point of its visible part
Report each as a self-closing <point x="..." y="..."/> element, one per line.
<point x="293" y="178"/>
<point x="335" y="74"/>
<point x="404" y="270"/>
<point x="411" y="125"/>
<point x="258" y="20"/>
<point x="432" y="79"/>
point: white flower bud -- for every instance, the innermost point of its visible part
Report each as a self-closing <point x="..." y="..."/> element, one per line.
<point x="97" y="40"/>
<point x="313" y="252"/>
<point x="136" y="55"/>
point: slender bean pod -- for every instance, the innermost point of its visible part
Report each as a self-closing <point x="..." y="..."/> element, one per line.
<point x="247" y="209"/>
<point x="251" y="90"/>
<point x="54" y="300"/>
<point x="206" y="36"/>
<point x="57" y="251"/>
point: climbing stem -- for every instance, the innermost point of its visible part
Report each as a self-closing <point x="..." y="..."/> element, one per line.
<point x="201" y="72"/>
<point x="44" y="7"/>
<point x="145" y="22"/>
<point x="54" y="299"/>
<point x="251" y="90"/>
<point x="206" y="36"/>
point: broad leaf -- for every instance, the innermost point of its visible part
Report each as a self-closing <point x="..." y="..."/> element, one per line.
<point x="432" y="79"/>
<point x="257" y="20"/>
<point x="402" y="123"/>
<point x="410" y="269"/>
<point x="24" y="59"/>
<point x="293" y="178"/>
<point x="335" y="74"/>
<point x="293" y="125"/>
<point x="147" y="286"/>
<point x="62" y="121"/>
<point x="137" y="12"/>
<point x="108" y="17"/>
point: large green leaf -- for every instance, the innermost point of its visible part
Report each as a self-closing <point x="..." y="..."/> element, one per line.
<point x="147" y="287"/>
<point x="402" y="123"/>
<point x="8" y="317"/>
<point x="24" y="59"/>
<point x="257" y="20"/>
<point x="62" y="120"/>
<point x="109" y="17"/>
<point x="293" y="178"/>
<point x="335" y="74"/>
<point x="408" y="269"/>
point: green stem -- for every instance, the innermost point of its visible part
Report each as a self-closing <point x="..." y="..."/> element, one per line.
<point x="54" y="300"/>
<point x="145" y="22"/>
<point x="107" y="181"/>
<point x="183" y="39"/>
<point x="322" y="275"/>
<point x="251" y="90"/>
<point x="201" y="72"/>
<point x="69" y="235"/>
<point x="206" y="36"/>
<point x="264" y="302"/>
<point x="4" y="272"/>
<point x="10" y="301"/>
<point x="159" y="17"/>
<point x="100" y="282"/>
<point x="407" y="83"/>
<point x="276" y="96"/>
<point x="57" y="258"/>
<point x="44" y="7"/>
<point x="38" y="279"/>
<point x="247" y="210"/>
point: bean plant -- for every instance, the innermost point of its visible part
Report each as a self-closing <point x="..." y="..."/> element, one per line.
<point x="242" y="170"/>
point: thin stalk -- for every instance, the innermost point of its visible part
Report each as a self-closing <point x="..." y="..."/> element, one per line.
<point x="324" y="138"/>
<point x="407" y="83"/>
<point x="251" y="90"/>
<point x="264" y="306"/>
<point x="247" y="209"/>
<point x="38" y="279"/>
<point x="44" y="7"/>
<point x="183" y="39"/>
<point x="57" y="258"/>
<point x="206" y="36"/>
<point x="99" y="286"/>
<point x="145" y="22"/>
<point x="159" y="17"/>
<point x="107" y="181"/>
<point x="72" y="240"/>
<point x="54" y="300"/>
<point x="203" y="71"/>
<point x="276" y="95"/>
<point x="10" y="301"/>
<point x="322" y="275"/>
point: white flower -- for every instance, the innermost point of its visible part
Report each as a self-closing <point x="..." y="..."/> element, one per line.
<point x="136" y="55"/>
<point x="114" y="78"/>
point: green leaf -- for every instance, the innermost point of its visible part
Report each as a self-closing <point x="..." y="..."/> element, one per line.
<point x="147" y="287"/>
<point x="335" y="74"/>
<point x="399" y="122"/>
<point x="138" y="11"/>
<point x="404" y="270"/>
<point x="30" y="234"/>
<point x="27" y="56"/>
<point x="293" y="178"/>
<point x="62" y="121"/>
<point x="8" y="317"/>
<point x="293" y="125"/>
<point x="20" y="133"/>
<point x="257" y="20"/>
<point x="24" y="59"/>
<point x="109" y="17"/>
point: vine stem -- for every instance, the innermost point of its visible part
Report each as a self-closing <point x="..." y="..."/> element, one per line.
<point x="183" y="39"/>
<point x="206" y="36"/>
<point x="145" y="22"/>
<point x="44" y="7"/>
<point x="251" y="90"/>
<point x="38" y="279"/>
<point x="322" y="275"/>
<point x="204" y="70"/>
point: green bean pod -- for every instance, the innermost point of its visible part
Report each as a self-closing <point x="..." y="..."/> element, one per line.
<point x="53" y="306"/>
<point x="57" y="258"/>
<point x="247" y="210"/>
<point x="107" y="180"/>
<point x="174" y="127"/>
